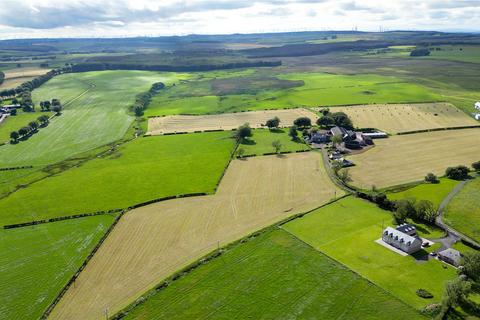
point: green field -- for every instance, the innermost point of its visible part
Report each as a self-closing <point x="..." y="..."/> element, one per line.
<point x="463" y="211"/>
<point x="36" y="262"/>
<point x="346" y="231"/>
<point x="96" y="105"/>
<point x="261" y="142"/>
<point x="262" y="90"/>
<point x="434" y="192"/>
<point x="275" y="276"/>
<point x="138" y="171"/>
<point x="14" y="123"/>
<point x="462" y="53"/>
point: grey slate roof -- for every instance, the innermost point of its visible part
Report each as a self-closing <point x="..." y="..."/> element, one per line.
<point x="452" y="254"/>
<point x="397" y="233"/>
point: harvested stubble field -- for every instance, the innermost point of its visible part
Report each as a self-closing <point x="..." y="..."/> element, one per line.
<point x="15" y="77"/>
<point x="406" y="158"/>
<point x="154" y="241"/>
<point x="395" y="118"/>
<point x="226" y="121"/>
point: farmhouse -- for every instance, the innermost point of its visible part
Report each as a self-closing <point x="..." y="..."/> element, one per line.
<point x="400" y="240"/>
<point x="477" y="105"/>
<point x="450" y="256"/>
<point x="352" y="139"/>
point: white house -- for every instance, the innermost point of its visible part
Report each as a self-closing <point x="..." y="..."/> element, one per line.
<point x="477" y="105"/>
<point x="402" y="241"/>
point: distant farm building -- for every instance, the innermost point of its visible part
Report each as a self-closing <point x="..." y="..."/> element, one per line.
<point x="450" y="256"/>
<point x="477" y="105"/>
<point x="401" y="240"/>
<point x="9" y="107"/>
<point x="477" y="116"/>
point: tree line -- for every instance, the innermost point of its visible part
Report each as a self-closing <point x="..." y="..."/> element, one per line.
<point x="30" y="129"/>
<point x="2" y="77"/>
<point x="82" y="67"/>
<point x="143" y="99"/>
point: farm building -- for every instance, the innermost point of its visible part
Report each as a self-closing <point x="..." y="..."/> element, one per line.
<point x="408" y="229"/>
<point x="450" y="256"/>
<point x="401" y="240"/>
<point x="477" y="105"/>
<point x="7" y="108"/>
<point x="477" y="116"/>
<point x="352" y="139"/>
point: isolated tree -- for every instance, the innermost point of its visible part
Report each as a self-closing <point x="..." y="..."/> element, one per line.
<point x="342" y="120"/>
<point x="476" y="166"/>
<point x="431" y="178"/>
<point x="457" y="173"/>
<point x="277" y="145"/>
<point x="24" y="131"/>
<point x="273" y="123"/>
<point x="240" y="152"/>
<point x="57" y="109"/>
<point x="303" y="122"/>
<point x="325" y="121"/>
<point x="336" y="140"/>
<point x="56" y="102"/>
<point x="46" y="105"/>
<point x="14" y="135"/>
<point x="293" y="133"/>
<point x="243" y="132"/>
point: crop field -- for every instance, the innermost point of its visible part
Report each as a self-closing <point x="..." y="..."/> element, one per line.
<point x="395" y="118"/>
<point x="463" y="212"/>
<point x="346" y="231"/>
<point x="276" y="277"/>
<point x="17" y="76"/>
<point x="141" y="170"/>
<point x="226" y="121"/>
<point x="434" y="192"/>
<point x="14" y="123"/>
<point x="406" y="158"/>
<point x="166" y="236"/>
<point x="36" y="262"/>
<point x="95" y="114"/>
<point x="263" y="91"/>
<point x="261" y="142"/>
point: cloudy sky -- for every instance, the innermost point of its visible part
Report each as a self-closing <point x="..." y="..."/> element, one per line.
<point x="107" y="18"/>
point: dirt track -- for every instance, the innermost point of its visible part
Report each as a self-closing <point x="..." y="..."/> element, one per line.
<point x="226" y="121"/>
<point x="152" y="242"/>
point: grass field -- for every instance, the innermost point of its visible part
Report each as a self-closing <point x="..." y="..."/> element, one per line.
<point x="276" y="277"/>
<point x="14" y="123"/>
<point x="95" y="114"/>
<point x="408" y="158"/>
<point x="394" y="118"/>
<point x="166" y="236"/>
<point x="463" y="53"/>
<point x="226" y="121"/>
<point x="346" y="231"/>
<point x="36" y="262"/>
<point x="141" y="170"/>
<point x="434" y="192"/>
<point x="266" y="91"/>
<point x="463" y="212"/>
<point x="261" y="142"/>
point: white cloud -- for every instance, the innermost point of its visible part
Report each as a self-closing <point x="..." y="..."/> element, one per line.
<point x="74" y="18"/>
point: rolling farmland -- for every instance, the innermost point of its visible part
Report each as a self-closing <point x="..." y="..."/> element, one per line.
<point x="406" y="158"/>
<point x="346" y="231"/>
<point x="95" y="114"/>
<point x="225" y="121"/>
<point x="167" y="236"/>
<point x="261" y="142"/>
<point x="36" y="262"/>
<point x="395" y="118"/>
<point x="276" y="277"/>
<point x="138" y="171"/>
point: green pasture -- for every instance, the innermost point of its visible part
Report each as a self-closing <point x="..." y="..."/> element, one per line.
<point x="261" y="142"/>
<point x="346" y="231"/>
<point x="274" y="276"/>
<point x="264" y="90"/>
<point x="96" y="113"/>
<point x="141" y="170"/>
<point x="37" y="262"/>
<point x="463" y="211"/>
<point x="462" y="53"/>
<point x="14" y="123"/>
<point x="434" y="192"/>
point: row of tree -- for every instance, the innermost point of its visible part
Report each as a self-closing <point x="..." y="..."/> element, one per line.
<point x="143" y="99"/>
<point x="53" y="105"/>
<point x="26" y="88"/>
<point x="329" y="119"/>
<point x="32" y="128"/>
